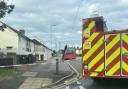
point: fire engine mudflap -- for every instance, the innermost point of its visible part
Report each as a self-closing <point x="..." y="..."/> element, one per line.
<point x="104" y="54"/>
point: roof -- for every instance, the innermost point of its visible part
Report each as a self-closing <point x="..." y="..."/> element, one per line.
<point x="17" y="32"/>
<point x="22" y="35"/>
<point x="39" y="43"/>
<point x="98" y="18"/>
<point x="117" y="31"/>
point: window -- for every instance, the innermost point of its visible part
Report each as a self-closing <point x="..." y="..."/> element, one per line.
<point x="9" y="47"/>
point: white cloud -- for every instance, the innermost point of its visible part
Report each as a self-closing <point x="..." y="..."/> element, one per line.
<point x="67" y="34"/>
<point x="79" y="32"/>
<point x="36" y="16"/>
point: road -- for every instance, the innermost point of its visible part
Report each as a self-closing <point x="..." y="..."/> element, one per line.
<point x="88" y="83"/>
<point x="43" y="71"/>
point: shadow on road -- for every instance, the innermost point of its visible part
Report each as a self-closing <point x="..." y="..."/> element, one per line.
<point x="89" y="83"/>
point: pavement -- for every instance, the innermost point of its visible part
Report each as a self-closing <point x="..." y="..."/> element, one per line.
<point x="36" y="76"/>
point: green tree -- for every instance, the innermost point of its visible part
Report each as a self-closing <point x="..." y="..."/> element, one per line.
<point x="5" y="8"/>
<point x="54" y="54"/>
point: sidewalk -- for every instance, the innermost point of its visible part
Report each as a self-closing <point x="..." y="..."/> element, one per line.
<point x="38" y="75"/>
<point x="42" y="77"/>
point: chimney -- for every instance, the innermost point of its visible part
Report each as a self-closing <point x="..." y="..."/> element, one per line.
<point x="22" y="32"/>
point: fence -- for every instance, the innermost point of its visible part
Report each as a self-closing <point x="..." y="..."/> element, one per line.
<point x="13" y="59"/>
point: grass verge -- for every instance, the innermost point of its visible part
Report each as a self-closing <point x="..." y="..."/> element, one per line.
<point x="8" y="72"/>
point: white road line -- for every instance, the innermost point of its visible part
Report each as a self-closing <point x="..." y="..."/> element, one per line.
<point x="67" y="87"/>
<point x="74" y="69"/>
<point x="17" y="65"/>
<point x="81" y="87"/>
<point x="78" y="82"/>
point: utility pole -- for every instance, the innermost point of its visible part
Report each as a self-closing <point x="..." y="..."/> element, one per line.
<point x="57" y="66"/>
<point x="59" y="49"/>
<point x="56" y="45"/>
<point x="51" y="33"/>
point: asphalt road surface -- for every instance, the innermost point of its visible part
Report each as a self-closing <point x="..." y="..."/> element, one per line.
<point x="88" y="83"/>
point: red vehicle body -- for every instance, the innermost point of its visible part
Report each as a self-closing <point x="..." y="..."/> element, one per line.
<point x="70" y="53"/>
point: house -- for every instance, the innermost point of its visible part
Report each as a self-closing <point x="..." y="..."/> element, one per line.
<point x="42" y="52"/>
<point x="12" y="40"/>
<point x="79" y="51"/>
<point x="15" y="43"/>
<point x="48" y="52"/>
<point x="22" y="48"/>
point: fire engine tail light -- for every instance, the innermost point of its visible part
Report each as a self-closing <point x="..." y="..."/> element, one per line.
<point x="85" y="67"/>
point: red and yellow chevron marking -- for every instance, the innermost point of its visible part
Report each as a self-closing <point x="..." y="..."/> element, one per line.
<point x="112" y="55"/>
<point x="125" y="58"/>
<point x="102" y="53"/>
<point x="94" y="55"/>
<point x="88" y="27"/>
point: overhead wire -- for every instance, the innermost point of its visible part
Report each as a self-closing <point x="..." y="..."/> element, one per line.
<point x="76" y="15"/>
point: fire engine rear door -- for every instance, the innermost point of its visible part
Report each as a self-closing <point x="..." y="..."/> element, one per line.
<point x="112" y="57"/>
<point x="124" y="54"/>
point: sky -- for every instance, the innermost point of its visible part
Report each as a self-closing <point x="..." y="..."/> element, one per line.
<point x="62" y="19"/>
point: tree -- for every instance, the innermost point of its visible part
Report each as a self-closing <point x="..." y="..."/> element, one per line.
<point x="54" y="54"/>
<point x="5" y="8"/>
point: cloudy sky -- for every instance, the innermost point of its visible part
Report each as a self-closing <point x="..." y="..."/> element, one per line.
<point x="63" y="18"/>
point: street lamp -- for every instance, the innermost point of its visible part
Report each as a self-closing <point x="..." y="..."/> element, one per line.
<point x="51" y="33"/>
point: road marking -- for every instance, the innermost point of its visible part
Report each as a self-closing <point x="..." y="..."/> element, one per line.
<point x="44" y="63"/>
<point x="17" y="65"/>
<point x="67" y="87"/>
<point x="81" y="87"/>
<point x="30" y="74"/>
<point x="34" y="83"/>
<point x="31" y="83"/>
<point x="78" y="82"/>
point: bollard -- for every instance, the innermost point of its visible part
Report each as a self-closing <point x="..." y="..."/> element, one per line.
<point x="57" y="66"/>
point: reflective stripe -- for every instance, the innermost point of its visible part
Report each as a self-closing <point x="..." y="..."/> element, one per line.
<point x="83" y="71"/>
<point x="125" y="50"/>
<point x="112" y="43"/>
<point x="93" y="74"/>
<point x="100" y="67"/>
<point x="125" y="38"/>
<point x="113" y="69"/>
<point x="90" y="26"/>
<point x="92" y="50"/>
<point x="96" y="59"/>
<point x="113" y="56"/>
<point x="91" y="38"/>
<point x="125" y="66"/>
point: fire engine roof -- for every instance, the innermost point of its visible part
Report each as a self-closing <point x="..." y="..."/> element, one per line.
<point x="117" y="31"/>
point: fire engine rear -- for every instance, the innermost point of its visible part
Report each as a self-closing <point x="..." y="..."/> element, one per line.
<point x="104" y="54"/>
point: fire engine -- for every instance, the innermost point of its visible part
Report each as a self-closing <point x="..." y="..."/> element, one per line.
<point x="70" y="53"/>
<point x="104" y="53"/>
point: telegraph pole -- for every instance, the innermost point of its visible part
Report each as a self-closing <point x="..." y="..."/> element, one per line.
<point x="59" y="49"/>
<point x="51" y="34"/>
